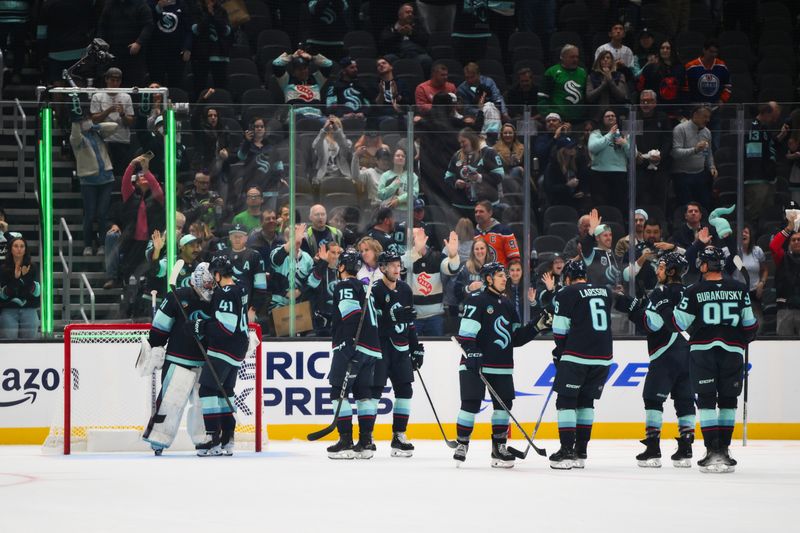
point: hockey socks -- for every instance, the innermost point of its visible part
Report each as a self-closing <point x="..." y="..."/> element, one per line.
<point x="500" y="420"/>
<point x="710" y="428"/>
<point x="567" y="420"/>
<point x="686" y="425"/>
<point x="653" y="420"/>
<point x="464" y="425"/>
<point x="400" y="414"/>
<point x="367" y="411"/>
<point x="344" y="422"/>
<point x="726" y="420"/>
<point x="584" y="418"/>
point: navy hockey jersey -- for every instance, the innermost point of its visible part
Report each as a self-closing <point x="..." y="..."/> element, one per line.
<point x="400" y="335"/>
<point x="227" y="331"/>
<point x="348" y="304"/>
<point x="249" y="271"/>
<point x="655" y="317"/>
<point x="582" y="324"/>
<point x="167" y="328"/>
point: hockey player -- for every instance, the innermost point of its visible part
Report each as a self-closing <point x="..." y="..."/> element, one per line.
<point x="717" y="314"/>
<point x="178" y="352"/>
<point x="668" y="373"/>
<point x="490" y="329"/>
<point x="582" y="331"/>
<point x="354" y="356"/>
<point x="402" y="352"/>
<point x="227" y="335"/>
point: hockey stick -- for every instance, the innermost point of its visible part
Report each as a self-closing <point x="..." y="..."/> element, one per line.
<point x="153" y="386"/>
<point x="217" y="382"/>
<point x="538" y="423"/>
<point x="451" y="443"/>
<point x="343" y="395"/>
<point x="737" y="261"/>
<point x="512" y="450"/>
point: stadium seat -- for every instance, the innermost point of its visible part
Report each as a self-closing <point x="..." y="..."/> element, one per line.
<point x="359" y="38"/>
<point x="733" y="37"/>
<point x="609" y="213"/>
<point x="337" y="185"/>
<point x="240" y="65"/>
<point x="776" y="65"/>
<point x="559" y="213"/>
<point x="548" y="243"/>
<point x="494" y="70"/>
<point x="338" y="199"/>
<point x="239" y="83"/>
<point x="524" y="39"/>
<point x="778" y="87"/>
<point x="565" y="230"/>
<point x="573" y="17"/>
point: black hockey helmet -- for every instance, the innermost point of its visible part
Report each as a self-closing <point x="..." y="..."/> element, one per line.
<point x="221" y="265"/>
<point x="574" y="269"/>
<point x="713" y="257"/>
<point x="674" y="260"/>
<point x="389" y="256"/>
<point x="351" y="261"/>
<point x="490" y="269"/>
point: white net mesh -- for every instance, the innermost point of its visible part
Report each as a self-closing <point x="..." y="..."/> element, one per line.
<point x="110" y="404"/>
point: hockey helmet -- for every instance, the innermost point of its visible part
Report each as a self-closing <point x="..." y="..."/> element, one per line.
<point x="221" y="265"/>
<point x="490" y="269"/>
<point x="203" y="281"/>
<point x="713" y="257"/>
<point x="351" y="261"/>
<point x="387" y="257"/>
<point x="574" y="269"/>
<point x="676" y="261"/>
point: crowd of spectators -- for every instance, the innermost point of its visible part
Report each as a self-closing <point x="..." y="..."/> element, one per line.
<point x="461" y="74"/>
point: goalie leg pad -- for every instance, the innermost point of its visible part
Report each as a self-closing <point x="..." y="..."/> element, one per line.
<point x="175" y="391"/>
<point x="194" y="416"/>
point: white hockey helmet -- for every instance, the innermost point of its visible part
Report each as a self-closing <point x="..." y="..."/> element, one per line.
<point x="203" y="281"/>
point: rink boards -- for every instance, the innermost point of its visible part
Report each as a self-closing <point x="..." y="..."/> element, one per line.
<point x="296" y="393"/>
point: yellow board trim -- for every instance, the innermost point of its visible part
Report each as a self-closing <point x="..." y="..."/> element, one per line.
<point x="548" y="430"/>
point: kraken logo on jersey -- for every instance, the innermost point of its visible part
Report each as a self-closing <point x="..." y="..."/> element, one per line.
<point x="352" y="98"/>
<point x="168" y="22"/>
<point x="198" y="315"/>
<point x="572" y="88"/>
<point x="502" y="332"/>
<point x="262" y="163"/>
<point x="328" y="16"/>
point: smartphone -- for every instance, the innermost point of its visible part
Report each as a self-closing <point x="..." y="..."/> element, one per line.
<point x="149" y="155"/>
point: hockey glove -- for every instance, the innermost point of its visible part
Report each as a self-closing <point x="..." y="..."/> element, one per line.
<point x="625" y="304"/>
<point x="544" y="322"/>
<point x="196" y="328"/>
<point x="417" y="355"/>
<point x="403" y="314"/>
<point x="473" y="360"/>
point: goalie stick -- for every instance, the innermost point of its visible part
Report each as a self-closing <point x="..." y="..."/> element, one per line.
<point x="451" y="443"/>
<point x="343" y="395"/>
<point x="512" y="450"/>
<point x="737" y="261"/>
<point x="177" y="268"/>
<point x="153" y="379"/>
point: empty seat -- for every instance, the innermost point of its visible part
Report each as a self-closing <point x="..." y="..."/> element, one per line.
<point x="566" y="230"/>
<point x="559" y="213"/>
<point x="548" y="243"/>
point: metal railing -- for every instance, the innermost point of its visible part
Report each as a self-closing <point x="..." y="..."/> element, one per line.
<point x="84" y="281"/>
<point x="19" y="115"/>
<point x="66" y="264"/>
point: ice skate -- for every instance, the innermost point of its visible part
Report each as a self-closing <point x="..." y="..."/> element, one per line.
<point x="227" y="443"/>
<point x="712" y="463"/>
<point x="365" y="448"/>
<point x="651" y="457"/>
<point x="460" y="455"/>
<point x="579" y="461"/>
<point x="501" y="457"/>
<point x="562" y="459"/>
<point x="212" y="448"/>
<point x="342" y="449"/>
<point x="401" y="447"/>
<point x="682" y="458"/>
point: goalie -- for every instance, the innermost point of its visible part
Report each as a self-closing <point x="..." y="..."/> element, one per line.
<point x="173" y="350"/>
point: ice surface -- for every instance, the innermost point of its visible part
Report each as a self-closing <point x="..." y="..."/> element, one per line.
<point x="294" y="487"/>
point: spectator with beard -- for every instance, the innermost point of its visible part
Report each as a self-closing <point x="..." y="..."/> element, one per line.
<point x="406" y="39"/>
<point x="392" y="96"/>
<point x="200" y="203"/>
<point x="523" y="93"/>
<point x="345" y="97"/>
<point x="300" y="87"/>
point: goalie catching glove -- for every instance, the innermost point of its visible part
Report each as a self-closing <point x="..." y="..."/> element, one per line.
<point x="151" y="358"/>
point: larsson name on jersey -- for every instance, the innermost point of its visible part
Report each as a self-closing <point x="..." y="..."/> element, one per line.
<point x="586" y="293"/>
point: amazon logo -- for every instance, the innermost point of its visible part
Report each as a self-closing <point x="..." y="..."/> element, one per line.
<point x="25" y="384"/>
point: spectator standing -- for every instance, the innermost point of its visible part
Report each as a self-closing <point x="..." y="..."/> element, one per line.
<point x="623" y="57"/>
<point x="761" y="148"/>
<point x="646" y="52"/>
<point x="563" y="88"/>
<point x="787" y="276"/>
<point x="117" y="108"/>
<point x="370" y="177"/>
<point x="299" y="86"/>
<point x="265" y="238"/>
<point x="345" y="97"/>
<point x="429" y="266"/>
<point x="543" y="142"/>
<point x="610" y="150"/>
<point x="328" y="26"/>
<point x="62" y="34"/>
<point x="383" y="229"/>
<point x="646" y="263"/>
<point x="437" y="15"/>
<point x="370" y="249"/>
<point x="498" y="237"/>
<point x="523" y="93"/>
<point x="755" y="261"/>
<point x="471" y="30"/>
<point x="468" y="281"/>
<point x="686" y="234"/>
<point x="211" y="138"/>
<point x="652" y="149"/>
<point x="606" y="86"/>
<point x="263" y="167"/>
<point x="333" y="154"/>
<point x="127" y="25"/>
<point x="366" y="149"/>
<point x="211" y="44"/>
<point x="279" y="259"/>
<point x="319" y="230"/>
<point x="425" y="91"/>
<point x="640" y="217"/>
<point x="474" y="173"/>
<point x="200" y="203"/>
<point x="707" y="80"/>
<point x="693" y="159"/>
<point x="19" y="293"/>
<point x="562" y="186"/>
<point x="603" y="267"/>
<point x="666" y="78"/>
<point x="395" y="183"/>
<point x="96" y="173"/>
<point x="515" y="291"/>
<point x="406" y="38"/>
<point x="251" y="217"/>
<point x="170" y="46"/>
<point x="321" y="283"/>
<point x="141" y="213"/>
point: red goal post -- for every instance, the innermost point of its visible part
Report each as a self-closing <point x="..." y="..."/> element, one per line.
<point x="104" y="398"/>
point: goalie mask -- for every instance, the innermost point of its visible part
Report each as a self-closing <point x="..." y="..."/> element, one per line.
<point x="203" y="282"/>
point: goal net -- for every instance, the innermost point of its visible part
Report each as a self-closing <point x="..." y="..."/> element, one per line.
<point x="105" y="404"/>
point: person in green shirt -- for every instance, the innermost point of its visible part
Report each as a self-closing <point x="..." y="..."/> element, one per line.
<point x="563" y="87"/>
<point x="394" y="184"/>
<point x="251" y="217"/>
